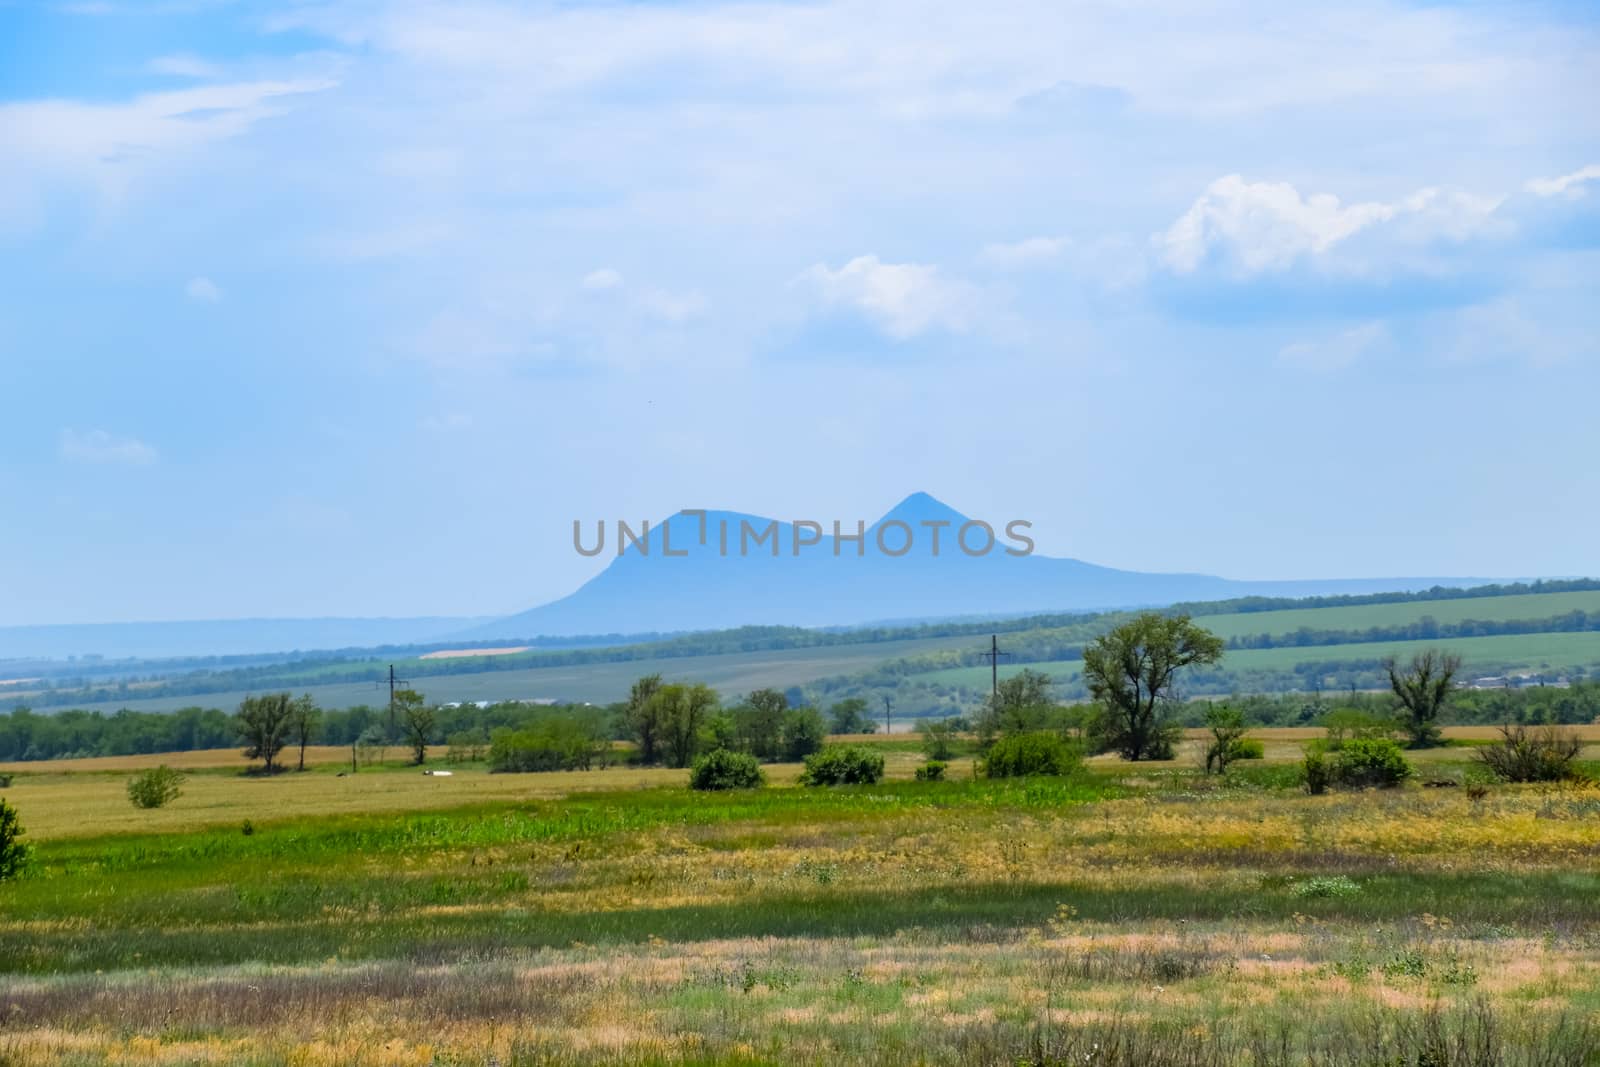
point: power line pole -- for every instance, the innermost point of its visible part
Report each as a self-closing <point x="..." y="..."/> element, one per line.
<point x="394" y="726"/>
<point x="993" y="656"/>
<point x="888" y="715"/>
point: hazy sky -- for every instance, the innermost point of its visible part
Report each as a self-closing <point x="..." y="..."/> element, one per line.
<point x="349" y="309"/>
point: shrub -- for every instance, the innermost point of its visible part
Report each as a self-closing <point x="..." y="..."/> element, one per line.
<point x="1523" y="755"/>
<point x="843" y="765"/>
<point x="13" y="853"/>
<point x="722" y="769"/>
<point x="557" y="743"/>
<point x="1249" y="748"/>
<point x="1325" y="887"/>
<point x="938" y="738"/>
<point x="1024" y="755"/>
<point x="1316" y="772"/>
<point x="932" y="771"/>
<point x="155" y="787"/>
<point x="5" y="781"/>
<point x="1371" y="762"/>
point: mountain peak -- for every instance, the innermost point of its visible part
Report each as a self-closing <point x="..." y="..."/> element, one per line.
<point x="921" y="507"/>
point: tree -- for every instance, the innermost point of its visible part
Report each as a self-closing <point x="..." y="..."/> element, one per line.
<point x="1422" y="690"/>
<point x="681" y="711"/>
<point x="1131" y="672"/>
<point x="417" y="720"/>
<point x="850" y="717"/>
<point x="264" y="722"/>
<point x="13" y="853"/>
<point x="1020" y="704"/>
<point x="803" y="733"/>
<point x="305" y="719"/>
<point x="643" y="716"/>
<point x="1227" y="730"/>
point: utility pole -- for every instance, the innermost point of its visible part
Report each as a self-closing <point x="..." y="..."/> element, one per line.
<point x="993" y="656"/>
<point x="888" y="715"/>
<point x="394" y="726"/>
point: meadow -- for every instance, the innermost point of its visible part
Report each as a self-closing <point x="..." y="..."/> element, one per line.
<point x="1125" y="915"/>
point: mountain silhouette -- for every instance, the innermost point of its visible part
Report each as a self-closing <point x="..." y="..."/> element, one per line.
<point x="726" y="569"/>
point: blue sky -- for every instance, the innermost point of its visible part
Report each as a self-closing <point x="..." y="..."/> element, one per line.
<point x="351" y="309"/>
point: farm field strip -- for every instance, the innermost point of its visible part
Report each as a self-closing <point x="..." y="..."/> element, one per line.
<point x="1516" y="651"/>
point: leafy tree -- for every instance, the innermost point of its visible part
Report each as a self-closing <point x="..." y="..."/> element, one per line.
<point x="682" y="712"/>
<point x="1020" y="704"/>
<point x="803" y="733"/>
<point x="305" y="719"/>
<point x="1423" y="689"/>
<point x="1131" y="672"/>
<point x="155" y="787"/>
<point x="13" y="853"/>
<point x="851" y="716"/>
<point x="1227" y="731"/>
<point x="418" y="720"/>
<point x="643" y="715"/>
<point x="264" y="724"/>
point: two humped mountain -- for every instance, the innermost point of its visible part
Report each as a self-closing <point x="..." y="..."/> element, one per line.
<point x="699" y="586"/>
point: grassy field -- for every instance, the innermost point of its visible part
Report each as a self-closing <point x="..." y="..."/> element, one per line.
<point x="1130" y="915"/>
<point x="1365" y="616"/>
<point x="599" y="683"/>
<point x="1555" y="651"/>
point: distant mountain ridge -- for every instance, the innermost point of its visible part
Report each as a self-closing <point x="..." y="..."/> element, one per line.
<point x="698" y="587"/>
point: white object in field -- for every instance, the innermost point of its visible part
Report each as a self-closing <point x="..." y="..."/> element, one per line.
<point x="440" y="774"/>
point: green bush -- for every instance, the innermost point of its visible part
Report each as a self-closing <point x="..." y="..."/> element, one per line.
<point x="1249" y="748"/>
<point x="1316" y="771"/>
<point x="558" y="743"/>
<point x="13" y="853"/>
<point x="1371" y="761"/>
<point x="5" y="781"/>
<point x="722" y="769"/>
<point x="1026" y="755"/>
<point x="156" y="787"/>
<point x="932" y="771"/>
<point x="843" y="765"/>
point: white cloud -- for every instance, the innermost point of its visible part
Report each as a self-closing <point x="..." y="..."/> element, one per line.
<point x="1270" y="226"/>
<point x="108" y="145"/>
<point x="604" y="278"/>
<point x="1338" y="351"/>
<point x="98" y="446"/>
<point x="203" y="290"/>
<point x="184" y="65"/>
<point x="1020" y="255"/>
<point x="904" y="300"/>
<point x="1569" y="185"/>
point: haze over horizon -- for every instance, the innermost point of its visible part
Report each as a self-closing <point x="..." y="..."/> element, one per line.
<point x="350" y="310"/>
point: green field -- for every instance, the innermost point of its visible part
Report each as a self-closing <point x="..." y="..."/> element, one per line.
<point x="731" y="674"/>
<point x="1123" y="917"/>
<point x="1529" y="652"/>
<point x="1365" y="616"/>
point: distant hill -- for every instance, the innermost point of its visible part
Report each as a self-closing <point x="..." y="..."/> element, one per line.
<point x="221" y="637"/>
<point x="703" y="589"/>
